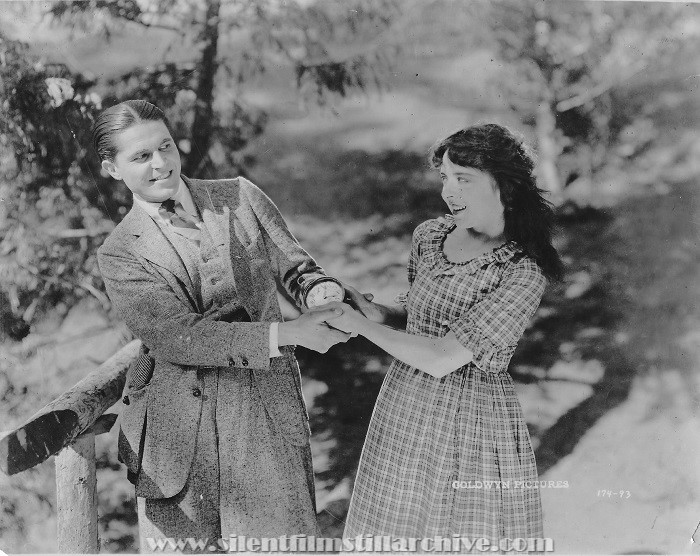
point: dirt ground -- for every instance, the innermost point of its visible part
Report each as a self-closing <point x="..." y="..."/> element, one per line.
<point x="644" y="451"/>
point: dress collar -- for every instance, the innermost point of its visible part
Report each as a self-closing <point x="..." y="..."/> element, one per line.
<point x="440" y="264"/>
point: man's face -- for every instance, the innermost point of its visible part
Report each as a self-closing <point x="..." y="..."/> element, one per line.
<point x="147" y="161"/>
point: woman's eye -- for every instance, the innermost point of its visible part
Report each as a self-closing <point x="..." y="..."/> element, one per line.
<point x="141" y="157"/>
<point x="165" y="147"/>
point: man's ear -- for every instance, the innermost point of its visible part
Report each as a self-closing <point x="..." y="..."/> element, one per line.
<point x="109" y="167"/>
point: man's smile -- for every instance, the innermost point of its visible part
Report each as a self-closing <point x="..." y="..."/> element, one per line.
<point x="162" y="177"/>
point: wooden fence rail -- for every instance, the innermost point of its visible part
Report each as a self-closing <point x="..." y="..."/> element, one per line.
<point x="67" y="426"/>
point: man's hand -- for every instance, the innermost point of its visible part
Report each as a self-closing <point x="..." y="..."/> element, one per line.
<point x="363" y="303"/>
<point x="346" y="319"/>
<point x="311" y="331"/>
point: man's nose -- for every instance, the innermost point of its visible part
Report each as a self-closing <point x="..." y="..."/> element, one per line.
<point x="157" y="160"/>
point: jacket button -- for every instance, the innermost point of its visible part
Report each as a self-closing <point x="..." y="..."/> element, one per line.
<point x="125" y="400"/>
<point x="244" y="362"/>
<point x="231" y="362"/>
<point x="214" y="281"/>
<point x="196" y="392"/>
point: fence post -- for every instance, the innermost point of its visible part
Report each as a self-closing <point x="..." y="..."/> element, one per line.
<point x="76" y="497"/>
<point x="67" y="426"/>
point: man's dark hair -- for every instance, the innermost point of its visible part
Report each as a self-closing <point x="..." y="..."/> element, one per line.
<point x="119" y="117"/>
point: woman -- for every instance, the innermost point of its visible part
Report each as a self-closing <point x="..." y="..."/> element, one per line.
<point x="447" y="415"/>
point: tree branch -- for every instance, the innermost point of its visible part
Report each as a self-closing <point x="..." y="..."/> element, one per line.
<point x="72" y="234"/>
<point x="102" y="298"/>
<point x="590" y="94"/>
<point x="180" y="31"/>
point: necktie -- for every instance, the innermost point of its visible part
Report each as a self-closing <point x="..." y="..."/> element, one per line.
<point x="183" y="222"/>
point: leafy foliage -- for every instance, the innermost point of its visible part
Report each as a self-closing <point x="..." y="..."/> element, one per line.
<point x="50" y="220"/>
<point x="573" y="57"/>
<point x="57" y="209"/>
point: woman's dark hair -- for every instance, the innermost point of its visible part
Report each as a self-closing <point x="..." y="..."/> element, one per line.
<point x="529" y="217"/>
<point x="119" y="117"/>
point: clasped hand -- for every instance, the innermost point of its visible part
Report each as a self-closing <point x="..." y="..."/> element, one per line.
<point x="320" y="328"/>
<point x="350" y="317"/>
<point x="342" y="317"/>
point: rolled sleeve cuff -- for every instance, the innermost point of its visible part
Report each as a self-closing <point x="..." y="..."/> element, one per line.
<point x="274" y="341"/>
<point x="402" y="299"/>
<point x="488" y="356"/>
<point x="301" y="280"/>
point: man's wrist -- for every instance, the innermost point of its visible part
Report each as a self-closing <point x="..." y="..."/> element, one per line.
<point x="286" y="335"/>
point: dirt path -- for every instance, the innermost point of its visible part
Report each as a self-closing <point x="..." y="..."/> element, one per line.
<point x="644" y="451"/>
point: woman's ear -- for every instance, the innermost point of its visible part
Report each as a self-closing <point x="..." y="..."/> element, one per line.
<point x="109" y="167"/>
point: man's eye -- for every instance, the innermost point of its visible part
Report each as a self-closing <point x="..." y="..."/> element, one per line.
<point x="141" y="156"/>
<point x="165" y="147"/>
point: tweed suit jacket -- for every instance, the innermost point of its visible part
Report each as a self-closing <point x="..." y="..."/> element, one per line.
<point x="150" y="289"/>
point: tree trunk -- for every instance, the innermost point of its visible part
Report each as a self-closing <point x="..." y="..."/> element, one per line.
<point x="548" y="150"/>
<point x="202" y="124"/>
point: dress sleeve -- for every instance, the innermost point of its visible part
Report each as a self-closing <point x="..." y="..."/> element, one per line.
<point x="492" y="327"/>
<point x="402" y="298"/>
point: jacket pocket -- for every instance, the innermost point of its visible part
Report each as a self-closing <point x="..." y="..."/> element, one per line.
<point x="140" y="372"/>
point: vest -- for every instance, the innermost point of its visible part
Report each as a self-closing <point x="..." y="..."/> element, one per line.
<point x="211" y="275"/>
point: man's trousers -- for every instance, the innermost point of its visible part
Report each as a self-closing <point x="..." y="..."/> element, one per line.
<point x="245" y="479"/>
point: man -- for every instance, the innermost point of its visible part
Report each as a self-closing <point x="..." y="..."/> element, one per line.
<point x="216" y="438"/>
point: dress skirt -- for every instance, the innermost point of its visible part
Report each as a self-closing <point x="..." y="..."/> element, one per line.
<point x="448" y="456"/>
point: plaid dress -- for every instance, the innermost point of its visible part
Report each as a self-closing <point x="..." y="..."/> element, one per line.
<point x="434" y="444"/>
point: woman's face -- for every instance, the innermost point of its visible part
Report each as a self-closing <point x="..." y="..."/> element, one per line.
<point x="473" y="198"/>
<point x="147" y="161"/>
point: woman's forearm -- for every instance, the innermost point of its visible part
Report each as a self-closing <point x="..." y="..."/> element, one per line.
<point x="435" y="356"/>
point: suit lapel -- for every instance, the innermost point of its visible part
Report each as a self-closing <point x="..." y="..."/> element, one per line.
<point x="215" y="204"/>
<point x="213" y="213"/>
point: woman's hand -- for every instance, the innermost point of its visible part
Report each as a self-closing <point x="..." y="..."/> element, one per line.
<point x="388" y="315"/>
<point x="346" y="320"/>
<point x="363" y="303"/>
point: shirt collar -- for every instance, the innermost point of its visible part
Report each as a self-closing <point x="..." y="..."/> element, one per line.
<point x="182" y="195"/>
